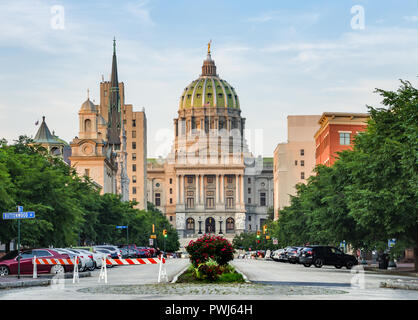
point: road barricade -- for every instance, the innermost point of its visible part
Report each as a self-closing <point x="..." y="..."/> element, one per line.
<point x="126" y="262"/>
<point x="54" y="261"/>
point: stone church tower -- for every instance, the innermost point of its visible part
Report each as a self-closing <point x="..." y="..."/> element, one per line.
<point x="111" y="145"/>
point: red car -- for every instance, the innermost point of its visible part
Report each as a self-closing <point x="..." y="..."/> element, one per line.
<point x="9" y="263"/>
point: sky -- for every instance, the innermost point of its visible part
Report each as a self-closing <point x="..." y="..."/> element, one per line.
<point x="282" y="57"/>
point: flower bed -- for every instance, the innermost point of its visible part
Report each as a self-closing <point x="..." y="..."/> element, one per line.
<point x="209" y="257"/>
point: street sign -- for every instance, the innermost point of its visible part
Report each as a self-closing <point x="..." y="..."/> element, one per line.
<point x="18" y="215"/>
<point x="275" y="241"/>
<point x="391" y="243"/>
<point x="151" y="242"/>
<point x="153" y="236"/>
<point x="121" y="227"/>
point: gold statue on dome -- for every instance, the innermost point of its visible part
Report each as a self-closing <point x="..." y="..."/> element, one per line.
<point x="209" y="46"/>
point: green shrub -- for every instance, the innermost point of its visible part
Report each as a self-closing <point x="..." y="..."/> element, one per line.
<point x="210" y="247"/>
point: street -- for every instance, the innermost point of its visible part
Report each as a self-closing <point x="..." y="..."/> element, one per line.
<point x="269" y="280"/>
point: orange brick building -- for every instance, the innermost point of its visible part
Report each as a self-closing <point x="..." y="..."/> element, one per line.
<point x="336" y="133"/>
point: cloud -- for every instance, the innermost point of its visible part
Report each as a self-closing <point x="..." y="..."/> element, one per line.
<point x="411" y="18"/>
<point x="139" y="9"/>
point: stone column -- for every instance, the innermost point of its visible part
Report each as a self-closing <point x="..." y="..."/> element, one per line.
<point x="236" y="190"/>
<point x="242" y="189"/>
<point x="222" y="188"/>
<point x="197" y="176"/>
<point x="202" y="194"/>
<point x="178" y="188"/>
<point x="184" y="189"/>
<point x="217" y="189"/>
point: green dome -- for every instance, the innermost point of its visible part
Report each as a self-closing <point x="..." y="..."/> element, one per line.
<point x="209" y="90"/>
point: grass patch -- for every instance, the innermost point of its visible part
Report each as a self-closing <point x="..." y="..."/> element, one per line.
<point x="231" y="276"/>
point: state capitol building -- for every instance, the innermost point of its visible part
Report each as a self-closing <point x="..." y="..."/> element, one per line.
<point x="209" y="182"/>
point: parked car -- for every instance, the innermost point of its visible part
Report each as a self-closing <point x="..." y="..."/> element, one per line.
<point x="71" y="254"/>
<point x="86" y="258"/>
<point x="97" y="256"/>
<point x="276" y="255"/>
<point x="115" y="252"/>
<point x="326" y="255"/>
<point x="106" y="253"/>
<point x="294" y="254"/>
<point x="9" y="262"/>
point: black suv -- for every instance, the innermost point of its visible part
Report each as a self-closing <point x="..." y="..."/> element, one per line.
<point x="326" y="255"/>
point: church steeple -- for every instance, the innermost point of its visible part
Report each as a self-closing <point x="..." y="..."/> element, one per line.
<point x="114" y="123"/>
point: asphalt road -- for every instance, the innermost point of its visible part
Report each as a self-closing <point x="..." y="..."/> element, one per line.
<point x="269" y="280"/>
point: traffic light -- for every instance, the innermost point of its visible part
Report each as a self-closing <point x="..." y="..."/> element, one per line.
<point x="265" y="229"/>
<point x="165" y="233"/>
<point x="258" y="234"/>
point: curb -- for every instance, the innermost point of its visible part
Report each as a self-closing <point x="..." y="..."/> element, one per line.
<point x="243" y="274"/>
<point x="179" y="274"/>
<point x="30" y="282"/>
<point x="400" y="284"/>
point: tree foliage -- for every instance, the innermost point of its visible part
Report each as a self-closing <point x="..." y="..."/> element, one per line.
<point x="369" y="195"/>
<point x="69" y="209"/>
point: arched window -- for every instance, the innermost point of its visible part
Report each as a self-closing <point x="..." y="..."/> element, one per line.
<point x="230" y="225"/>
<point x="87" y="125"/>
<point x="190" y="224"/>
<point x="210" y="225"/>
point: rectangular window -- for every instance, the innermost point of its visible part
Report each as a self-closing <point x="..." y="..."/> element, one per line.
<point x="158" y="199"/>
<point x="296" y="162"/>
<point x="133" y="156"/>
<point x="134" y="145"/>
<point x="133" y="134"/>
<point x="190" y="203"/>
<point x="249" y="190"/>
<point x="262" y="199"/>
<point x="249" y="218"/>
<point x="133" y="190"/>
<point x="134" y="179"/>
<point x="210" y="179"/>
<point x="87" y="172"/>
<point x="171" y="190"/>
<point x="171" y="202"/>
<point x="344" y="139"/>
<point x="171" y="181"/>
<point x="189" y="180"/>
<point x="302" y="163"/>
<point x="229" y="179"/>
<point x="230" y="203"/>
<point x="134" y="167"/>
<point x="302" y="152"/>
<point x="302" y="175"/>
<point x="249" y="180"/>
<point x="210" y="203"/>
<point x="133" y="123"/>
<point x="171" y="217"/>
<point x="249" y="200"/>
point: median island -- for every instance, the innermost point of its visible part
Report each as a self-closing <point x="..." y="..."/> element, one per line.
<point x="209" y="257"/>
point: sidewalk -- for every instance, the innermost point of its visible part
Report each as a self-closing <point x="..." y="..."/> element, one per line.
<point x="9" y="282"/>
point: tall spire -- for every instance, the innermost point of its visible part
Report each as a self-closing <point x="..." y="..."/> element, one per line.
<point x="114" y="124"/>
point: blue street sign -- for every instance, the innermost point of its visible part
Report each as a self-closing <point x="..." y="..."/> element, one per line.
<point x="121" y="227"/>
<point x="19" y="215"/>
<point x="391" y="243"/>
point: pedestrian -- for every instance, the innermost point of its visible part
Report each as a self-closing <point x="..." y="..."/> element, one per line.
<point x="158" y="253"/>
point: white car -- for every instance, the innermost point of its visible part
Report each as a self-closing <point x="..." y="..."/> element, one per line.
<point x="105" y="252"/>
<point x="87" y="262"/>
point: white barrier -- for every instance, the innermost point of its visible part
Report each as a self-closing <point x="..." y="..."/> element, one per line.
<point x="54" y="261"/>
<point x="162" y="273"/>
